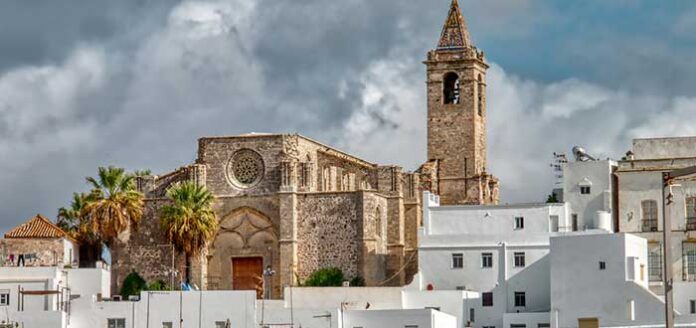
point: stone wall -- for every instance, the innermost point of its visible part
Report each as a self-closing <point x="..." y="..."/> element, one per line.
<point x="216" y="155"/>
<point x="41" y="251"/>
<point x="145" y="250"/>
<point x="329" y="232"/>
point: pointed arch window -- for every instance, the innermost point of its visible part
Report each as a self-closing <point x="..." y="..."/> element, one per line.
<point x="451" y="88"/>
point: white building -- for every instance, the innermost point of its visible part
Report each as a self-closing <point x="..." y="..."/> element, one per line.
<point x="639" y="200"/>
<point x="588" y="189"/>
<point x="500" y="252"/>
<point x="38" y="297"/>
<point x="601" y="277"/>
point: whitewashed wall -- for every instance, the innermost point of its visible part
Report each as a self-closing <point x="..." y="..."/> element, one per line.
<point x="596" y="174"/>
<point x="422" y="318"/>
<point x="579" y="289"/>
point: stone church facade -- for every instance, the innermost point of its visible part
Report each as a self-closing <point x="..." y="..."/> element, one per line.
<point x="294" y="205"/>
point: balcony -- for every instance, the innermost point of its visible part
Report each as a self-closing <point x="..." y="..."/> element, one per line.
<point x="650" y="225"/>
<point x="691" y="224"/>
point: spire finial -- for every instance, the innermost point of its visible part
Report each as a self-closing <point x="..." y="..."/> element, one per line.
<point x="454" y="33"/>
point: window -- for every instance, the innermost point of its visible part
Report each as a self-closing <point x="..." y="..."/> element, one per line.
<point x="575" y="222"/>
<point x="689" y="259"/>
<point x="655" y="261"/>
<point x="411" y="326"/>
<point x="480" y="95"/>
<point x="553" y="222"/>
<point x="543" y="325"/>
<point x="4" y="297"/>
<point x="221" y="324"/>
<point x="602" y="265"/>
<point x="691" y="213"/>
<point x="649" y="215"/>
<point x="116" y="323"/>
<point x="305" y="174"/>
<point x="519" y="259"/>
<point x="520" y="299"/>
<point x="457" y="261"/>
<point x="487" y="260"/>
<point x="167" y="324"/>
<point x="488" y="327"/>
<point x="692" y="305"/>
<point x="519" y="223"/>
<point x="487" y="299"/>
<point x="585" y="190"/>
<point x="518" y="325"/>
<point x="451" y="88"/>
<point x="461" y="287"/>
<point x="472" y="318"/>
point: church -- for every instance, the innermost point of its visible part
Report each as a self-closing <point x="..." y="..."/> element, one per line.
<point x="291" y="205"/>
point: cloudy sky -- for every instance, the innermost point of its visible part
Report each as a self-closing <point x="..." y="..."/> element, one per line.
<point x="134" y="83"/>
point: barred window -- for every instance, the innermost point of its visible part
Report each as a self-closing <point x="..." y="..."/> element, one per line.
<point x="691" y="213"/>
<point x="655" y="261"/>
<point x="689" y="251"/>
<point x="457" y="261"/>
<point x="649" y="212"/>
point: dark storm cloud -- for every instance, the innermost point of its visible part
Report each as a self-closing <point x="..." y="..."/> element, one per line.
<point x="135" y="83"/>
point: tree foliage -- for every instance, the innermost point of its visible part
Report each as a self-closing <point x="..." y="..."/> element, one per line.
<point x="132" y="285"/>
<point x="189" y="221"/>
<point x="157" y="285"/>
<point x="552" y="198"/>
<point x="113" y="205"/>
<point x="71" y="218"/>
<point x="327" y="277"/>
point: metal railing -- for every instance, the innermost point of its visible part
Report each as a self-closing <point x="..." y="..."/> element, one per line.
<point x="690" y="224"/>
<point x="649" y="225"/>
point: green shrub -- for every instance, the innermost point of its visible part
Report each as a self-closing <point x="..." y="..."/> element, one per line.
<point x="132" y="285"/>
<point x="357" y="282"/>
<point x="327" y="277"/>
<point x="158" y="285"/>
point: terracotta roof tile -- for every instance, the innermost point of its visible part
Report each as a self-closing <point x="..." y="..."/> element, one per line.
<point x="37" y="227"/>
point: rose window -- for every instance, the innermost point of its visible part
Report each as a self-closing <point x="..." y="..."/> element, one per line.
<point x="245" y="168"/>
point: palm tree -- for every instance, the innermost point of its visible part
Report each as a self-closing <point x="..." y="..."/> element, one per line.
<point x="70" y="218"/>
<point x="73" y="221"/>
<point x="142" y="173"/>
<point x="113" y="205"/>
<point x="189" y="221"/>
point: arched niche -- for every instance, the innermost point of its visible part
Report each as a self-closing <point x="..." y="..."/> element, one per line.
<point x="243" y="233"/>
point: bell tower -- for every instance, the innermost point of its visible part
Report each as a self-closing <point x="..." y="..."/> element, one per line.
<point x="456" y="82"/>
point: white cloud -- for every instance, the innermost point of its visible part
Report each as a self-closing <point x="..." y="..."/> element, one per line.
<point x="527" y="122"/>
<point x="38" y="107"/>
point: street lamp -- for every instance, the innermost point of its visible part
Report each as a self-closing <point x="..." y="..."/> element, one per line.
<point x="268" y="273"/>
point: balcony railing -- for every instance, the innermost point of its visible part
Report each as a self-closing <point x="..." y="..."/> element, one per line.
<point x="649" y="225"/>
<point x="691" y="224"/>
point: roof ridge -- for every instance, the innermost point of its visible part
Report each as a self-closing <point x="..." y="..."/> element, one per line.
<point x="37" y="227"/>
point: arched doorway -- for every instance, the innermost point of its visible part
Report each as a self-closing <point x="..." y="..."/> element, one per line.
<point x="246" y="243"/>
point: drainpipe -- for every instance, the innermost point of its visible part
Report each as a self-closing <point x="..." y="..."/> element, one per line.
<point x="503" y="270"/>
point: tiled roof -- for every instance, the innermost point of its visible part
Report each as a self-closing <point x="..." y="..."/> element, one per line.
<point x="37" y="227"/>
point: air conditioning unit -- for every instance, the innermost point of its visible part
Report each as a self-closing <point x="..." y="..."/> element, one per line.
<point x="116" y="298"/>
<point x="134" y="298"/>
